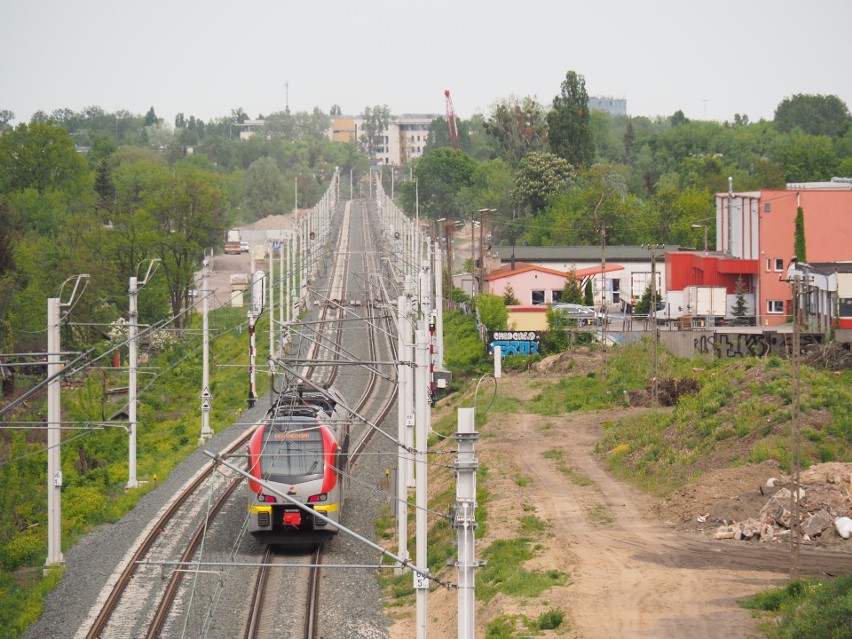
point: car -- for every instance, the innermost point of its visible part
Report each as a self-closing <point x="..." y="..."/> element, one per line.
<point x="244" y="247"/>
<point x="583" y="314"/>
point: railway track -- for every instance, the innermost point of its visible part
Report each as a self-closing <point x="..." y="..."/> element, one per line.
<point x="267" y="586"/>
<point x="136" y="605"/>
<point x="110" y="621"/>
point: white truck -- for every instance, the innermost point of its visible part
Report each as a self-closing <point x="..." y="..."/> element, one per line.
<point x="232" y="242"/>
<point x="703" y="303"/>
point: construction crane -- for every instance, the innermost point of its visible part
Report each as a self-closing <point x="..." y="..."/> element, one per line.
<point x="451" y="121"/>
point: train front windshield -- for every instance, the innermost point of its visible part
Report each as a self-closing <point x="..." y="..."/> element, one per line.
<point x="292" y="453"/>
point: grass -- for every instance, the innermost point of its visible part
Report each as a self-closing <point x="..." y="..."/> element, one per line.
<point x="505" y="573"/>
<point x="816" y="609"/>
<point x="520" y="626"/>
<point x="600" y="515"/>
<point x="578" y="479"/>
<point x="742" y="410"/>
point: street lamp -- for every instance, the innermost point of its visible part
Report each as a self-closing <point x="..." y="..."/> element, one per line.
<point x="702" y="226"/>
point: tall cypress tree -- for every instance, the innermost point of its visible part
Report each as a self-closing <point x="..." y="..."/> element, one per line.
<point x="569" y="123"/>
<point x="799" y="241"/>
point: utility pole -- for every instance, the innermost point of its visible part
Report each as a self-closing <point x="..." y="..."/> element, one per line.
<point x="133" y="331"/>
<point x="439" y="305"/>
<point x="652" y="315"/>
<point x="472" y="258"/>
<point x="603" y="299"/>
<point x="206" y="431"/>
<point x="54" y="425"/>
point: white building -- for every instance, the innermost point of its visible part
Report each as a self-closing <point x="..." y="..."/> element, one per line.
<point x="403" y="140"/>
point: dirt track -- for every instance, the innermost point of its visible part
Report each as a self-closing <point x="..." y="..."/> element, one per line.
<point x="631" y="575"/>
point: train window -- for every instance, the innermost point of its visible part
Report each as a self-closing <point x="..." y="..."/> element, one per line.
<point x="287" y="459"/>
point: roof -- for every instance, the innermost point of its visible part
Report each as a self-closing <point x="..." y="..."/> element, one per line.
<point x="827" y="268"/>
<point x="506" y="271"/>
<point x="582" y="253"/>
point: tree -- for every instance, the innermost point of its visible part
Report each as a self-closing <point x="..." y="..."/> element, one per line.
<point x="6" y="116"/>
<point x="518" y="127"/>
<point x="441" y="174"/>
<point x="509" y="298"/>
<point x="629" y="141"/>
<point x="572" y="294"/>
<point x="813" y="114"/>
<point x="492" y="311"/>
<point x="678" y="118"/>
<point x="376" y="121"/>
<point x="40" y="157"/>
<point x="569" y="133"/>
<point x="265" y="188"/>
<point x="589" y="294"/>
<point x="103" y="185"/>
<point x="799" y="238"/>
<point x="539" y="177"/>
<point x="806" y="158"/>
<point x="151" y="118"/>
<point x="740" y="309"/>
<point x="643" y="306"/>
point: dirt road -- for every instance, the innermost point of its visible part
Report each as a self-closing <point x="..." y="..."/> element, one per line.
<point x="631" y="575"/>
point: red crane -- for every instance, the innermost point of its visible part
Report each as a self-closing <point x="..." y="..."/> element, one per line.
<point x="451" y="121"/>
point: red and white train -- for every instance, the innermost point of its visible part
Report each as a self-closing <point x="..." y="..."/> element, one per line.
<point x="301" y="449"/>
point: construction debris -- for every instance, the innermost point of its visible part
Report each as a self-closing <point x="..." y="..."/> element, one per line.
<point x="824" y="498"/>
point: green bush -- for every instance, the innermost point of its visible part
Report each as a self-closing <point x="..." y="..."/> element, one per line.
<point x="550" y="620"/>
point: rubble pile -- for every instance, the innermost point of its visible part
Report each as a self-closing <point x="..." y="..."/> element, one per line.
<point x="824" y="504"/>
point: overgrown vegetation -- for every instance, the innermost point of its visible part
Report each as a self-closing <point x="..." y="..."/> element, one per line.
<point x="741" y="414"/>
<point x="95" y="467"/>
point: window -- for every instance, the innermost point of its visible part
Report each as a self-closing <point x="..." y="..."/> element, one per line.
<point x="557" y="296"/>
<point x="775" y="307"/>
<point x="768" y="264"/>
<point x="844" y="307"/>
<point x="537" y="297"/>
<point x="779" y="263"/>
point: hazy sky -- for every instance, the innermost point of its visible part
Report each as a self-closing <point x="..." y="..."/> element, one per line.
<point x="709" y="59"/>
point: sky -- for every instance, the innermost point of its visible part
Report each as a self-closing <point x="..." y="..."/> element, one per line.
<point x="710" y="60"/>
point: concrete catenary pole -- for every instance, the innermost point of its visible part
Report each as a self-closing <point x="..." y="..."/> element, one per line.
<point x="403" y="427"/>
<point x="206" y="431"/>
<point x="132" y="327"/>
<point x="133" y="342"/>
<point x="465" y="520"/>
<point x="421" y="473"/>
<point x="408" y="374"/>
<point x="54" y="462"/>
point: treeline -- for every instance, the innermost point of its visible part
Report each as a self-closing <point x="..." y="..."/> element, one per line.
<point x="99" y="193"/>
<point x="558" y="174"/>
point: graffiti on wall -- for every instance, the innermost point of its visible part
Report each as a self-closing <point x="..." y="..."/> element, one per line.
<point x="728" y="345"/>
<point x="515" y="342"/>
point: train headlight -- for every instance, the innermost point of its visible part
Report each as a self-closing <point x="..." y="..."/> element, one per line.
<point x="317" y="498"/>
<point x="270" y="499"/>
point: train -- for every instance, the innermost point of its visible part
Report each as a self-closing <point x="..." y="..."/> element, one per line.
<point x="300" y="448"/>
